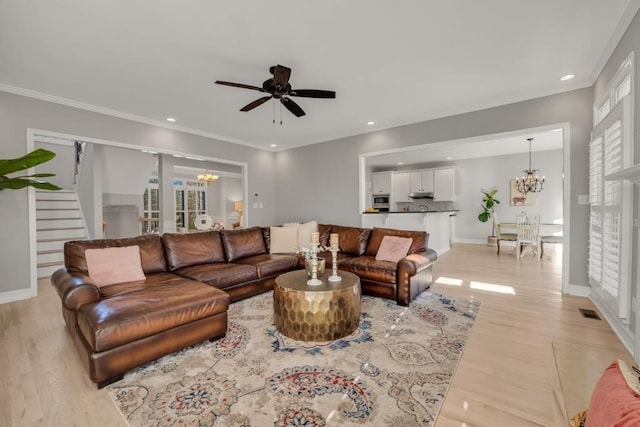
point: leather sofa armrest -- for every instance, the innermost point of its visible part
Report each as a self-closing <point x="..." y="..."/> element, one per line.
<point x="75" y="289"/>
<point x="416" y="262"/>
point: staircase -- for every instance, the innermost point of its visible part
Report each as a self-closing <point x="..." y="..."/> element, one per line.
<point x="58" y="219"/>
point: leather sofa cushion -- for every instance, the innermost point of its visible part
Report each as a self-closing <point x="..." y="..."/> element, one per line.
<point x="182" y="250"/>
<point x="151" y="252"/>
<point x="420" y="239"/>
<point x="243" y="243"/>
<point x="219" y="275"/>
<point x="159" y="303"/>
<point x="325" y="233"/>
<point x="367" y="268"/>
<point x="268" y="265"/>
<point x="353" y="240"/>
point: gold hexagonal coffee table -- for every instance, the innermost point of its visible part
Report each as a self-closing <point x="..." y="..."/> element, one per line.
<point x="316" y="313"/>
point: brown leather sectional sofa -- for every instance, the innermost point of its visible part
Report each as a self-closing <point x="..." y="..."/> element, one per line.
<point x="192" y="278"/>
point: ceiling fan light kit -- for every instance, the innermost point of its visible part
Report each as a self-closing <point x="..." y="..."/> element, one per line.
<point x="278" y="87"/>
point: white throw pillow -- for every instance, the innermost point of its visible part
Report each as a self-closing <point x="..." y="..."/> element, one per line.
<point x="284" y="240"/>
<point x="304" y="232"/>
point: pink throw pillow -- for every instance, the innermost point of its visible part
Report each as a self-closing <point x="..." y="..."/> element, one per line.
<point x="393" y="248"/>
<point x="109" y="266"/>
<point x="613" y="401"/>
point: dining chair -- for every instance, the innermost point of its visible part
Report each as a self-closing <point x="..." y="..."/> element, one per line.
<point x="500" y="234"/>
<point x="555" y="239"/>
<point x="528" y="232"/>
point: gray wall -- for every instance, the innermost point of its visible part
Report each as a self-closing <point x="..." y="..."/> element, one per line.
<point x="489" y="172"/>
<point x="321" y="181"/>
<point x="17" y="113"/>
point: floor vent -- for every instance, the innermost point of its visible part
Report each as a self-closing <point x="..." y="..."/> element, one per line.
<point x="591" y="314"/>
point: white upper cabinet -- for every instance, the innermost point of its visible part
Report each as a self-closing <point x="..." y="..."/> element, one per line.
<point x="444" y="188"/>
<point x="422" y="181"/>
<point x="401" y="187"/>
<point x="381" y="183"/>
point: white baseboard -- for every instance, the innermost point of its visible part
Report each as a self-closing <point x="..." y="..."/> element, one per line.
<point x="579" y="290"/>
<point x="18" y="295"/>
<point x="471" y="241"/>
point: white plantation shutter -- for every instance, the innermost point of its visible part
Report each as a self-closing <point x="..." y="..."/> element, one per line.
<point x="612" y="209"/>
<point x="609" y="215"/>
<point x="596" y="179"/>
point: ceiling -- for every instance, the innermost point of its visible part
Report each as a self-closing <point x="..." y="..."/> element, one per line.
<point x="393" y="63"/>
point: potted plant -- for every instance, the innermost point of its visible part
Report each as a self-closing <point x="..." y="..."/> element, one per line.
<point x="29" y="160"/>
<point x="488" y="202"/>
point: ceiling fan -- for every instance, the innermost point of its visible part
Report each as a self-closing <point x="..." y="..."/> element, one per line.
<point x="279" y="88"/>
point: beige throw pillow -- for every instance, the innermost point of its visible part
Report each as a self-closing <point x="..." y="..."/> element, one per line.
<point x="109" y="266"/>
<point x="304" y="232"/>
<point x="393" y="248"/>
<point x="284" y="240"/>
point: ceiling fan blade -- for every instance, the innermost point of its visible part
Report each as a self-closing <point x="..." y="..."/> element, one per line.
<point x="313" y="93"/>
<point x="293" y="107"/>
<point x="281" y="76"/>
<point x="255" y="103"/>
<point x="220" y="82"/>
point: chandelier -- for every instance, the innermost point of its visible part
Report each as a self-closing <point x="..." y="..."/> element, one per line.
<point x="529" y="181"/>
<point x="207" y="177"/>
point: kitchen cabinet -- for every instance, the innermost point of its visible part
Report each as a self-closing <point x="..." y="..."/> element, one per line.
<point x="381" y="183"/>
<point x="401" y="187"/>
<point x="444" y="189"/>
<point x="422" y="181"/>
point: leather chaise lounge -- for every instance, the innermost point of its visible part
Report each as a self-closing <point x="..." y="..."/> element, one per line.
<point x="190" y="280"/>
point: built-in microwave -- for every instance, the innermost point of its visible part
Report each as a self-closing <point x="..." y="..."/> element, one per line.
<point x="381" y="203"/>
<point x="381" y="200"/>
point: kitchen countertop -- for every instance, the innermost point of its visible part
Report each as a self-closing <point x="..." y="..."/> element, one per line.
<point x="413" y="212"/>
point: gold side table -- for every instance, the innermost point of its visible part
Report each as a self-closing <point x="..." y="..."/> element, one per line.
<point x="316" y="313"/>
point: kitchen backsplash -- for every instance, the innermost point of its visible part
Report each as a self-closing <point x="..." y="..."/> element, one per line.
<point x="416" y="205"/>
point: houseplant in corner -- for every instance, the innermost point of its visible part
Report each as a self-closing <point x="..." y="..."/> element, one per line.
<point x="488" y="202"/>
<point x="29" y="160"/>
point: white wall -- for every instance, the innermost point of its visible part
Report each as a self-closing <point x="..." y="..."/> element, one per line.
<point x="486" y="173"/>
<point x="126" y="171"/>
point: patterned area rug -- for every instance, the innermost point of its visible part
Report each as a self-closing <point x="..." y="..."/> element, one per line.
<point x="393" y="370"/>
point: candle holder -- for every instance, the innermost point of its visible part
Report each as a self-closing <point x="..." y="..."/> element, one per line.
<point x="314" y="281"/>
<point x="334" y="266"/>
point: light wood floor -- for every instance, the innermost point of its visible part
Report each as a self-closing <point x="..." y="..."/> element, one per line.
<point x="530" y="356"/>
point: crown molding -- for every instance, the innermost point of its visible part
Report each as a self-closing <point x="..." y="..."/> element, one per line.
<point x="121" y="115"/>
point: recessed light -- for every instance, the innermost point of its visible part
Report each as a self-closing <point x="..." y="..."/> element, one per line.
<point x="274" y="145"/>
<point x="371" y="123"/>
<point x="567" y="77"/>
<point x="449" y="158"/>
<point x="399" y="163"/>
<point x="171" y="119"/>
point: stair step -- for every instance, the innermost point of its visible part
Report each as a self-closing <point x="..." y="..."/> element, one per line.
<point x="61" y="233"/>
<point x="59" y="204"/>
<point x="62" y="223"/>
<point x="50" y="251"/>
<point x="58" y="195"/>
<point x="54" y="255"/>
<point x="45" y="272"/>
<point x="57" y="213"/>
<point x="49" y="264"/>
<point x="59" y="228"/>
